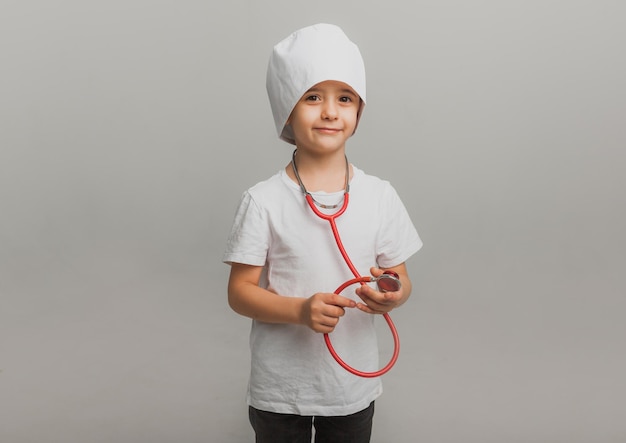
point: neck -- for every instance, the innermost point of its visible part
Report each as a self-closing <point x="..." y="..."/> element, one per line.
<point x="320" y="173"/>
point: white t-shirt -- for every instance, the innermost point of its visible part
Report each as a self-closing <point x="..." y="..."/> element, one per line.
<point x="292" y="371"/>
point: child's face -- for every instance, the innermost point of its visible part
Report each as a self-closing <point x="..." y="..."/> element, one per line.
<point x="325" y="117"/>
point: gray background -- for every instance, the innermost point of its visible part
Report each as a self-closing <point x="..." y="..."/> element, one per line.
<point x="129" y="129"/>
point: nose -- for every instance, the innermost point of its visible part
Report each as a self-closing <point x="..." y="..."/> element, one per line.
<point x="329" y="111"/>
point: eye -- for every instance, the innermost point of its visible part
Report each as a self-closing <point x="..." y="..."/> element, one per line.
<point x="345" y="99"/>
<point x="312" y="98"/>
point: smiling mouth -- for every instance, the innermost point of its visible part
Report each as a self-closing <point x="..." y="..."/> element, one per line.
<point x="328" y="130"/>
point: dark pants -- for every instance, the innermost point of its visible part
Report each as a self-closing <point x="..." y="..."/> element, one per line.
<point x="271" y="427"/>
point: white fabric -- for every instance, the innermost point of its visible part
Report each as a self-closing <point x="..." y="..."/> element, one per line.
<point x="292" y="370"/>
<point x="305" y="58"/>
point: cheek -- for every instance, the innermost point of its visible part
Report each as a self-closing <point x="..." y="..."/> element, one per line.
<point x="354" y="117"/>
<point x="301" y="116"/>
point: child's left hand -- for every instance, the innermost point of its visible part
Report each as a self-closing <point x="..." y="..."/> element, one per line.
<point x="376" y="302"/>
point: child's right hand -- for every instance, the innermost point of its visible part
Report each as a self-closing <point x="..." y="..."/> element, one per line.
<point x="322" y="311"/>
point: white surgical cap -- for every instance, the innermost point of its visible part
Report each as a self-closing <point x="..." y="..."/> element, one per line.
<point x="307" y="57"/>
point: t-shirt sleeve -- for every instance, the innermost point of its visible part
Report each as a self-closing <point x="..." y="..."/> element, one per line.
<point x="398" y="239"/>
<point x="248" y="241"/>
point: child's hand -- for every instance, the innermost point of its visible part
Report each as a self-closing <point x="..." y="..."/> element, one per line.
<point x="376" y="302"/>
<point x="322" y="311"/>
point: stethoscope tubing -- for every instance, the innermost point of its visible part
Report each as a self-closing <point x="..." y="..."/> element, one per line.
<point x="358" y="279"/>
<point x="392" y="328"/>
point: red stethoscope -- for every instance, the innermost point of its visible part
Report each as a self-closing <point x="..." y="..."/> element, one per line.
<point x="389" y="281"/>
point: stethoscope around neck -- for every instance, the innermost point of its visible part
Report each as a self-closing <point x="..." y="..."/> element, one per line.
<point x="387" y="282"/>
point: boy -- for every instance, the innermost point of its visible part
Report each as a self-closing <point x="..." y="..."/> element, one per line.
<point x="285" y="264"/>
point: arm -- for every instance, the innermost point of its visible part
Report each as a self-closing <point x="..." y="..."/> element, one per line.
<point x="375" y="302"/>
<point x="321" y="312"/>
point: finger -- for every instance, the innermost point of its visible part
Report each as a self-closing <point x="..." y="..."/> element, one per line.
<point x="327" y="324"/>
<point x="323" y="329"/>
<point x="343" y="302"/>
<point x="369" y="295"/>
<point x="379" y="303"/>
<point x="368" y="310"/>
<point x="334" y="311"/>
<point x="330" y="322"/>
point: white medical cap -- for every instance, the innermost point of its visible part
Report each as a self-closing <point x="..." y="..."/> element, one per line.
<point x="307" y="57"/>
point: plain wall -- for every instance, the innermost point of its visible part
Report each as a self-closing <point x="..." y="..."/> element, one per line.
<point x="129" y="130"/>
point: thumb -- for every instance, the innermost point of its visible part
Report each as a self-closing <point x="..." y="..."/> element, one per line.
<point x="376" y="272"/>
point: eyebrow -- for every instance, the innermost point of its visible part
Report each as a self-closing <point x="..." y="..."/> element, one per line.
<point x="343" y="90"/>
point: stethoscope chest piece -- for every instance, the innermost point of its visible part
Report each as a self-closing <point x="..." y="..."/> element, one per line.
<point x="388" y="281"/>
